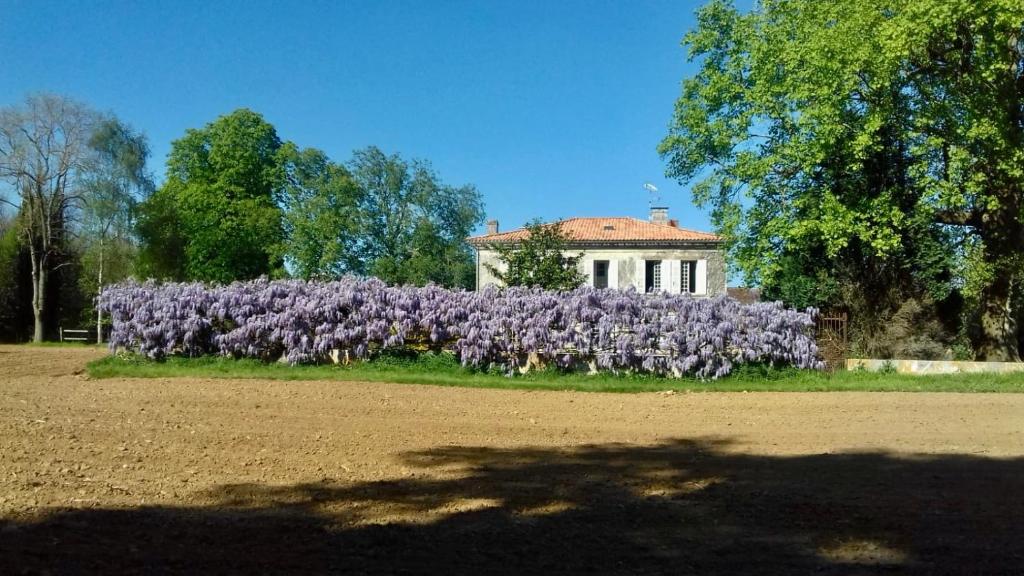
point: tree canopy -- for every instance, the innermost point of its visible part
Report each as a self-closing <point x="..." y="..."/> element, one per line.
<point x="217" y="216"/>
<point x="116" y="181"/>
<point x="321" y="224"/>
<point x="413" y="226"/>
<point x="874" y="145"/>
<point x="79" y="211"/>
<point x="539" y="260"/>
<point x="240" y="203"/>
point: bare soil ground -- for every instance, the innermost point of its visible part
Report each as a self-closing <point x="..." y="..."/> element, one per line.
<point x="242" y="476"/>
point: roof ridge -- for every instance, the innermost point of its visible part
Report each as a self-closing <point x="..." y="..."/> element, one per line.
<point x="677" y="227"/>
<point x="629" y="228"/>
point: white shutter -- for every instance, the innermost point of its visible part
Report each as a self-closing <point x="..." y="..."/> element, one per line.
<point x="671" y="269"/>
<point x="587" y="267"/>
<point x="640" y="275"/>
<point x="701" y="283"/>
<point x="613" y="273"/>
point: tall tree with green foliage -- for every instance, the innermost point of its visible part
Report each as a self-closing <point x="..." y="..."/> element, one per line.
<point x="881" y="135"/>
<point x="321" y="222"/>
<point x="114" y="182"/>
<point x="541" y="259"/>
<point x="412" y="226"/>
<point x="217" y="217"/>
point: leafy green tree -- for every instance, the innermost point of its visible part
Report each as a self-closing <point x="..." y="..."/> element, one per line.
<point x="539" y="260"/>
<point x="113" y="183"/>
<point x="881" y="135"/>
<point x="321" y="222"/>
<point x="13" y="311"/>
<point x="433" y="258"/>
<point x="219" y="205"/>
<point x="412" y="226"/>
<point x="162" y="242"/>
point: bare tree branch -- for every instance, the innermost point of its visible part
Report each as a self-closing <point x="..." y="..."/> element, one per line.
<point x="42" y="147"/>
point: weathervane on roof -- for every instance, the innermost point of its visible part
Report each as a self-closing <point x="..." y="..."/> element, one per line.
<point x="654" y="199"/>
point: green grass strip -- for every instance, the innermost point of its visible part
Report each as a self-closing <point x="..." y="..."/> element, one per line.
<point x="443" y="370"/>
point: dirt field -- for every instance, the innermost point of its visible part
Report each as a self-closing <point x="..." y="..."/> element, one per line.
<point x="185" y="476"/>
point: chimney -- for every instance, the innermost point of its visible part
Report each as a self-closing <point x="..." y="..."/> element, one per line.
<point x="659" y="214"/>
<point x="492" y="226"/>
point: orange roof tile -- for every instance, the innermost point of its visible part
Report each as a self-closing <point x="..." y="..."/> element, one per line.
<point x="619" y="229"/>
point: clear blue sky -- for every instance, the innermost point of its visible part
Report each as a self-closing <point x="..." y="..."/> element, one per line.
<point x="552" y="108"/>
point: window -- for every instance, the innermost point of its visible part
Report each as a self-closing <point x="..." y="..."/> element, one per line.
<point x="652" y="278"/>
<point x="600" y="273"/>
<point x="688" y="276"/>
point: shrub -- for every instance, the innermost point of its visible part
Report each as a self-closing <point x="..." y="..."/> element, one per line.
<point x="304" y="322"/>
<point x="911" y="331"/>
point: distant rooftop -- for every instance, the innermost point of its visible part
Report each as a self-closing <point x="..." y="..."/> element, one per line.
<point x="611" y="230"/>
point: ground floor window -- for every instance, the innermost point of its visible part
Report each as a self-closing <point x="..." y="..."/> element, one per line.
<point x="688" y="276"/>
<point x="600" y="273"/>
<point x="652" y="277"/>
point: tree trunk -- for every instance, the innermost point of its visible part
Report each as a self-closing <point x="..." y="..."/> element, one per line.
<point x="1003" y="235"/>
<point x="998" y="339"/>
<point x="99" y="290"/>
<point x="38" y="298"/>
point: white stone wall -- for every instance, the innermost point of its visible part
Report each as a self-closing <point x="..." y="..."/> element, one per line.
<point x="626" y="267"/>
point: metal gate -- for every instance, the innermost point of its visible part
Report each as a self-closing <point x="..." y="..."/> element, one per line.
<point x="830" y="331"/>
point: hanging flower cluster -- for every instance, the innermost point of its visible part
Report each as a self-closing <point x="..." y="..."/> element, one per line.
<point x="308" y="322"/>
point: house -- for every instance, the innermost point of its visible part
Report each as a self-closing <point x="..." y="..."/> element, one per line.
<point x="622" y="252"/>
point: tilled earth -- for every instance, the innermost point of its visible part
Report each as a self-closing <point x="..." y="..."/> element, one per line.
<point x="242" y="476"/>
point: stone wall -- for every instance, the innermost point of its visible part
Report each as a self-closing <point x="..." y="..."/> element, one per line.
<point x="924" y="367"/>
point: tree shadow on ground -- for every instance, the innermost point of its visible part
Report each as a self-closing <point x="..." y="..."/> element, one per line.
<point x="687" y="506"/>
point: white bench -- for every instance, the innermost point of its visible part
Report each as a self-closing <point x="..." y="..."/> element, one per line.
<point x="74" y="335"/>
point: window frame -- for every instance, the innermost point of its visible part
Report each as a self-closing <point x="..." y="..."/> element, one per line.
<point x="607" y="273"/>
<point x="687" y="276"/>
<point x="653" y="275"/>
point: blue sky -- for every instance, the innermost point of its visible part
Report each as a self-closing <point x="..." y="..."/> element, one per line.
<point x="553" y="109"/>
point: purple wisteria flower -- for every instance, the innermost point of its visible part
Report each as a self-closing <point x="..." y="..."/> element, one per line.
<point x="305" y="322"/>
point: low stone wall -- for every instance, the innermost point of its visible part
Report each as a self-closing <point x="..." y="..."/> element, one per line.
<point x="933" y="366"/>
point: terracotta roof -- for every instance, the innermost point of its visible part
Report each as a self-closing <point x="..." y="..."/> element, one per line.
<point x="620" y="229"/>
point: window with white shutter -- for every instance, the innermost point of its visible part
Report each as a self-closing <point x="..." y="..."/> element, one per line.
<point x="688" y="276"/>
<point x="652" y="276"/>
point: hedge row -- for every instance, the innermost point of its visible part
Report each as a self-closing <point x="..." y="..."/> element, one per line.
<point x="305" y="322"/>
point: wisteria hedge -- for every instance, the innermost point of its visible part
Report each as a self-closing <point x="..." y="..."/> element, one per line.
<point x="309" y="322"/>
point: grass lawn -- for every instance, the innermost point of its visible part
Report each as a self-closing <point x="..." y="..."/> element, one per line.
<point x="441" y="370"/>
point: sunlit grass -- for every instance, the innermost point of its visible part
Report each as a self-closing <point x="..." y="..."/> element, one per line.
<point x="443" y="370"/>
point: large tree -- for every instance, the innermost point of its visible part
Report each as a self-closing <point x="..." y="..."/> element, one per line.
<point x="217" y="217"/>
<point x="876" y="135"/>
<point x="321" y="221"/>
<point x="115" y="180"/>
<point x="412" y="225"/>
<point x="44" y="153"/>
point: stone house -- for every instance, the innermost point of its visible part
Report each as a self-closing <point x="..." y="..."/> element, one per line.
<point x="622" y="252"/>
